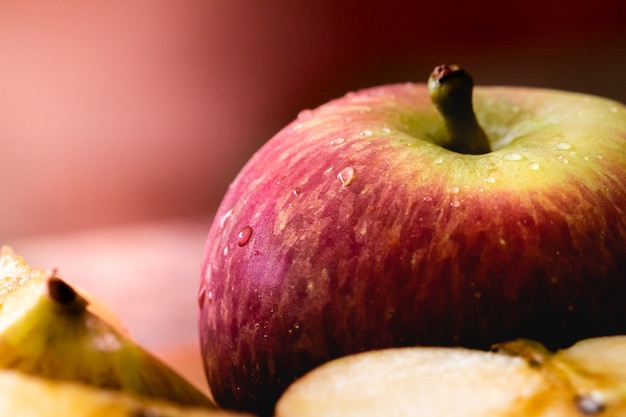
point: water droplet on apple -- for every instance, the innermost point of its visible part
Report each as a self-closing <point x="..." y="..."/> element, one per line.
<point x="513" y="157"/>
<point x="562" y="146"/>
<point x="305" y="114"/>
<point x="438" y="161"/>
<point x="455" y="203"/>
<point x="533" y="166"/>
<point x="427" y="198"/>
<point x="337" y="141"/>
<point x="366" y="133"/>
<point x="225" y="250"/>
<point x="297" y="191"/>
<point x="225" y="217"/>
<point x="453" y="190"/>
<point x="346" y="176"/>
<point x="201" y="296"/>
<point x="244" y="236"/>
<point x="490" y="180"/>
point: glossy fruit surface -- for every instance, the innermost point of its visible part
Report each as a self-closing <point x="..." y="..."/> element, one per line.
<point x="354" y="228"/>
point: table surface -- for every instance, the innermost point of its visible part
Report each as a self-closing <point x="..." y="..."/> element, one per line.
<point x="147" y="273"/>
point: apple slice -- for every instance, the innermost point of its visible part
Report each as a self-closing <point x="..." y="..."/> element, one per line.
<point x="520" y="379"/>
<point x="50" y="329"/>
<point x="26" y="395"/>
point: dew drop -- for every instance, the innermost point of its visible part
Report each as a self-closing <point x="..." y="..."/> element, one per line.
<point x="225" y="250"/>
<point x="305" y="115"/>
<point x="427" y="198"/>
<point x="534" y="166"/>
<point x="337" y="141"/>
<point x="455" y="203"/>
<point x="225" y="217"/>
<point x="346" y="176"/>
<point x="490" y="180"/>
<point x="244" y="236"/>
<point x="201" y="296"/>
<point x="513" y="157"/>
<point x="297" y="191"/>
<point x="562" y="146"/>
<point x="366" y="133"/>
<point x="437" y="161"/>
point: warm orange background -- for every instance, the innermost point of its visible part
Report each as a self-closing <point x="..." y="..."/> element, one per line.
<point x="122" y="122"/>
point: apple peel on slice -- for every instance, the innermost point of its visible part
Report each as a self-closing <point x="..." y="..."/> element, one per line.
<point x="438" y="381"/>
<point x="50" y="329"/>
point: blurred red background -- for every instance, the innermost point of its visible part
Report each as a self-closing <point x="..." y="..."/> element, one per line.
<point x="123" y="122"/>
<point x="114" y="112"/>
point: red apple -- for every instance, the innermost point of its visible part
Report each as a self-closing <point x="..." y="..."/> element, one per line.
<point x="381" y="219"/>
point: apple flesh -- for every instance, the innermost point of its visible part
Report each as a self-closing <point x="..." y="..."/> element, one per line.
<point x="423" y="381"/>
<point x="25" y="395"/>
<point x="355" y="228"/>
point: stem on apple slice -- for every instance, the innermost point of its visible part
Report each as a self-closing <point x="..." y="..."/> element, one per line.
<point x="450" y="90"/>
<point x="63" y="295"/>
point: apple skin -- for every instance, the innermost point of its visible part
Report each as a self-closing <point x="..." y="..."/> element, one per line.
<point x="355" y="229"/>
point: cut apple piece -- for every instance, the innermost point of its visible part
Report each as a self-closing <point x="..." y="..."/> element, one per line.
<point x="25" y="395"/>
<point x="50" y="329"/>
<point x="525" y="381"/>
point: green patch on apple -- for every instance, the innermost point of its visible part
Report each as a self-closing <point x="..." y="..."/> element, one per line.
<point x="433" y="214"/>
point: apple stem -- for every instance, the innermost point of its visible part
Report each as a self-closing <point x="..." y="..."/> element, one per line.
<point x="64" y="295"/>
<point x="450" y="90"/>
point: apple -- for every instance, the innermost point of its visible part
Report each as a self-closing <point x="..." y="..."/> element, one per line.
<point x="523" y="379"/>
<point x="399" y="215"/>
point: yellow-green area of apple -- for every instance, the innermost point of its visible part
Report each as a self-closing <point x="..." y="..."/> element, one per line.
<point x="49" y="330"/>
